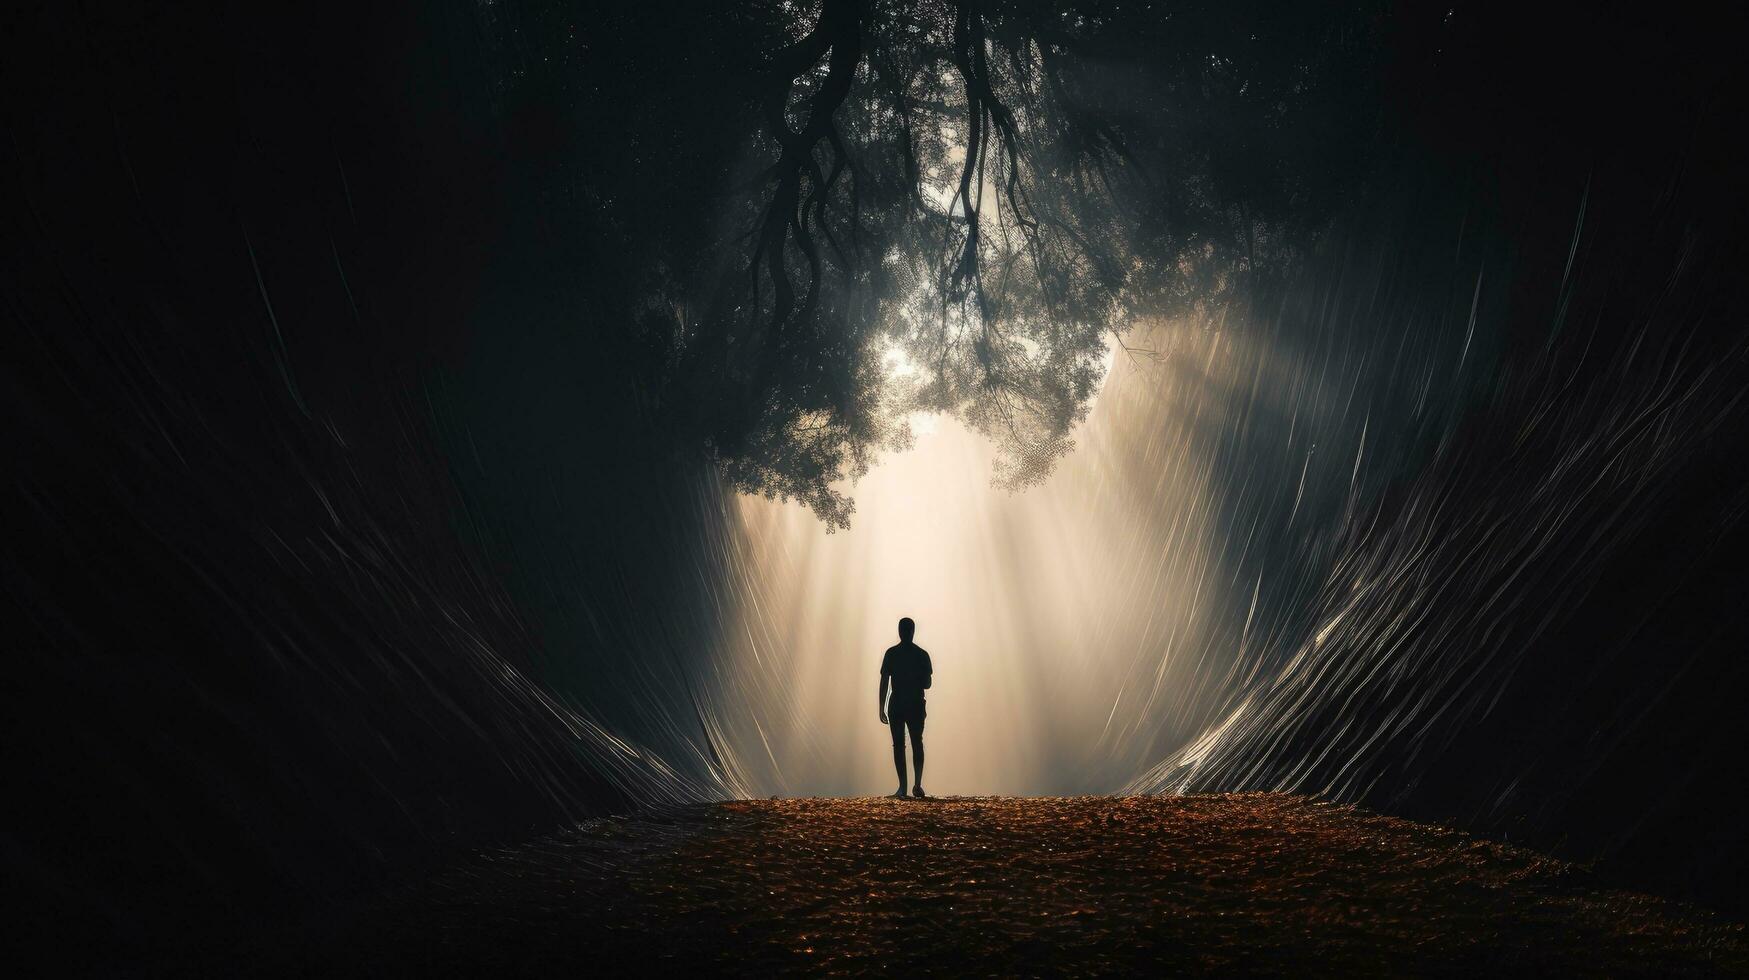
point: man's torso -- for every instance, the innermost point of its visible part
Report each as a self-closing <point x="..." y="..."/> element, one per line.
<point x="909" y="667"/>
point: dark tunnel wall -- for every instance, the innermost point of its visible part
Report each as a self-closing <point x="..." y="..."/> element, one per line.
<point x="260" y="655"/>
<point x="1532" y="635"/>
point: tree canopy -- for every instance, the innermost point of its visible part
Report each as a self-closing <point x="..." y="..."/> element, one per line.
<point x="956" y="206"/>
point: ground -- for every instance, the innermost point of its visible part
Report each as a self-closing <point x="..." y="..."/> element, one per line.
<point x="1253" y="883"/>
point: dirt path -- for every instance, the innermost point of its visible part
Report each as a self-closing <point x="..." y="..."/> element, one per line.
<point x="1247" y="883"/>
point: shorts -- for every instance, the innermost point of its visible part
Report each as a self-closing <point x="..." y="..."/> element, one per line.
<point x="899" y="718"/>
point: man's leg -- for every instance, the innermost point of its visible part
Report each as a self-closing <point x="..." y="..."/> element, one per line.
<point x="916" y="724"/>
<point x="897" y="724"/>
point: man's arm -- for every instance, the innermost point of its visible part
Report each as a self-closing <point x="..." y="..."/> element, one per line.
<point x="883" y="704"/>
<point x="928" y="671"/>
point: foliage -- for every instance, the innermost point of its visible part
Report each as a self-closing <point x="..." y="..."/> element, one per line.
<point x="953" y="206"/>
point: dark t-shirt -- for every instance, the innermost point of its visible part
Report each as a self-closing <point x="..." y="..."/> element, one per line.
<point x="909" y="667"/>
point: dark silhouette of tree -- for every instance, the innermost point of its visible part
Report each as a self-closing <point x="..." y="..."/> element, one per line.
<point x="954" y="207"/>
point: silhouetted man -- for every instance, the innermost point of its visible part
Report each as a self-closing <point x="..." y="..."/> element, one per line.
<point x="908" y="669"/>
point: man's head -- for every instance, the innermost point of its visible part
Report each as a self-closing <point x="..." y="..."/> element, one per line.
<point x="907" y="629"/>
